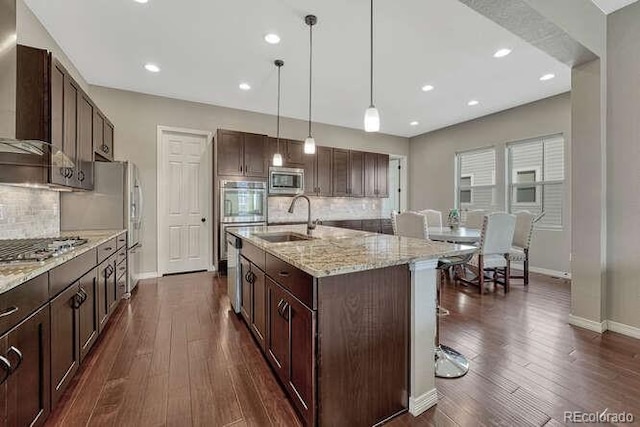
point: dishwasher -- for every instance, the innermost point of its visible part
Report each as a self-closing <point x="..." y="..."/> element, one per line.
<point x="234" y="279"/>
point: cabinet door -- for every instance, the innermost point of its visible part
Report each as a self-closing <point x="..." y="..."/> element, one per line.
<point x="323" y="174"/>
<point x="245" y="306"/>
<point x="112" y="288"/>
<point x="255" y="155"/>
<point x="69" y="145"/>
<point x="57" y="119"/>
<point x="341" y="175"/>
<point x="356" y="169"/>
<point x="229" y="153"/>
<point x="370" y="168"/>
<point x="84" y="163"/>
<point x="106" y="285"/>
<point x="310" y="172"/>
<point x="295" y="154"/>
<point x="108" y="131"/>
<point x="302" y="351"/>
<point x="98" y="134"/>
<point x="88" y="313"/>
<point x="382" y="175"/>
<point x="121" y="283"/>
<point x="65" y="353"/>
<point x="259" y="312"/>
<point x="29" y="352"/>
<point x="4" y="377"/>
<point x="278" y="327"/>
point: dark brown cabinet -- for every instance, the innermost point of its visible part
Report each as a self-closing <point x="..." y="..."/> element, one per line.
<point x="341" y="176"/>
<point x="376" y="175"/>
<point x="382" y="175"/>
<point x="245" y="306"/>
<point x="85" y="142"/>
<point x="295" y="154"/>
<point x="88" y="326"/>
<point x="277" y="346"/>
<point x="65" y="352"/>
<point x="241" y="154"/>
<point x="106" y="290"/>
<point x="356" y="172"/>
<point x="253" y="303"/>
<point x="310" y="168"/>
<point x="26" y="390"/>
<point x="102" y="136"/>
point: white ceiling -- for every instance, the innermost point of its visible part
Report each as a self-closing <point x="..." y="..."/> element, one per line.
<point x="205" y="48"/>
<point x="608" y="6"/>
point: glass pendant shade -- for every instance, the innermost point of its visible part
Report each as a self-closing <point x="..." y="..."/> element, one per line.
<point x="371" y="120"/>
<point x="309" y="145"/>
<point x="277" y="159"/>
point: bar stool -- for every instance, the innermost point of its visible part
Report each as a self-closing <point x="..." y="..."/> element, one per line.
<point x="450" y="363"/>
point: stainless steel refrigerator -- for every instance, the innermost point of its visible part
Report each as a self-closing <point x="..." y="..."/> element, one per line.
<point x="115" y="203"/>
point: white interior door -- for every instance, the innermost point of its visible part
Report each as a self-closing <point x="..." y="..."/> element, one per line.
<point x="183" y="192"/>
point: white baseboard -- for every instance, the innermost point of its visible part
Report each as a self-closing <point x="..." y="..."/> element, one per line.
<point x="545" y="271"/>
<point x="148" y="275"/>
<point x="423" y="402"/>
<point x="623" y="329"/>
<point x="591" y="325"/>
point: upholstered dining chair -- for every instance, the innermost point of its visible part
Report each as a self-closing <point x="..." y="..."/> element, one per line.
<point x="496" y="238"/>
<point x="434" y="218"/>
<point x="525" y="221"/>
<point x="410" y="224"/>
<point x="475" y="218"/>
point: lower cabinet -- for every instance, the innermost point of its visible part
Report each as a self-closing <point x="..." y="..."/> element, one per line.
<point x="253" y="300"/>
<point x="25" y="372"/>
<point x="88" y="323"/>
<point x="291" y="347"/>
<point x="106" y="290"/>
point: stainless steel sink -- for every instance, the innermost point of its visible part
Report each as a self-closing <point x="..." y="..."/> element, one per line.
<point x="284" y="236"/>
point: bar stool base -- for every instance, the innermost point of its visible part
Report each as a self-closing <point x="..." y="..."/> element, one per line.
<point x="450" y="363"/>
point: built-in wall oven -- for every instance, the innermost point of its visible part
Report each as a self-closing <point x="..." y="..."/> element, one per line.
<point x="286" y="181"/>
<point x="242" y="204"/>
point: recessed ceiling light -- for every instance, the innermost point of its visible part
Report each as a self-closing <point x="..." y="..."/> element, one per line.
<point x="502" y="53"/>
<point x="152" y="68"/>
<point x="427" y="88"/>
<point x="272" y="38"/>
<point x="547" y="77"/>
<point x="414" y="123"/>
<point x="473" y="102"/>
<point x="141" y="1"/>
<point x="244" y="86"/>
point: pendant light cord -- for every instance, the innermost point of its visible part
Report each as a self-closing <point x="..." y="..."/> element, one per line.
<point x="371" y="81"/>
<point x="310" y="71"/>
<point x="278" y="119"/>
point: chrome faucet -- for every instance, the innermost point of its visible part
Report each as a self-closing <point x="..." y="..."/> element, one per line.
<point x="311" y="225"/>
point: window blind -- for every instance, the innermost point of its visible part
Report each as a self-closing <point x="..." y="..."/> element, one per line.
<point x="476" y="180"/>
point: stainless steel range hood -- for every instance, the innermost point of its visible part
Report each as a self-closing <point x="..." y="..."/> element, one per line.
<point x="22" y="162"/>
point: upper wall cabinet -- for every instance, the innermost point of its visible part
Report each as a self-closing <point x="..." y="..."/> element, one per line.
<point x="292" y="152"/>
<point x="103" y="136"/>
<point x="376" y="175"/>
<point x="241" y="154"/>
<point x="52" y="107"/>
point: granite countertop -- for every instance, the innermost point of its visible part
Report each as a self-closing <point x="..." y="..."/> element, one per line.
<point x="12" y="275"/>
<point x="334" y="251"/>
<point x="366" y="218"/>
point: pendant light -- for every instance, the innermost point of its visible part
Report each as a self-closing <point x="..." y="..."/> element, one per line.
<point x="371" y="115"/>
<point x="310" y="143"/>
<point x="277" y="157"/>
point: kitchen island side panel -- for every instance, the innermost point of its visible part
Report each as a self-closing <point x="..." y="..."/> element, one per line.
<point x="363" y="346"/>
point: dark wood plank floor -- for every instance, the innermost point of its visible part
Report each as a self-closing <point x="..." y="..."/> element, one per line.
<point x="175" y="355"/>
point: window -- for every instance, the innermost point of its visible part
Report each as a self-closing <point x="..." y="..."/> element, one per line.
<point x="476" y="179"/>
<point x="536" y="178"/>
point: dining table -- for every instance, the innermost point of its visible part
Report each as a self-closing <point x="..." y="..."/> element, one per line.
<point x="460" y="235"/>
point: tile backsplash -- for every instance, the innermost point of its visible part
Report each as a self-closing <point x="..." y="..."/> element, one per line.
<point x="28" y="212"/>
<point x="325" y="208"/>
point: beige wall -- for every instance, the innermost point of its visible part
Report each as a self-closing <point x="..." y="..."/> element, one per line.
<point x="431" y="165"/>
<point x="136" y="117"/>
<point x="623" y="160"/>
<point x="31" y="32"/>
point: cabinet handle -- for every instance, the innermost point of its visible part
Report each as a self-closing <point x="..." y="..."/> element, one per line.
<point x="240" y="168"/>
<point x="109" y="249"/>
<point x="282" y="308"/>
<point x="8" y="312"/>
<point x="80" y="176"/>
<point x="283" y="274"/>
<point x="105" y="148"/>
<point x="84" y="295"/>
<point x="18" y="353"/>
<point x="6" y="367"/>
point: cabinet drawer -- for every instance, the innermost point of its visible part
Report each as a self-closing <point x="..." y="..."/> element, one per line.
<point x="121" y="269"/>
<point x="253" y="254"/>
<point x="121" y="256"/>
<point x="64" y="275"/>
<point x="122" y="241"/>
<point x="106" y="249"/>
<point x="296" y="281"/>
<point x="18" y="303"/>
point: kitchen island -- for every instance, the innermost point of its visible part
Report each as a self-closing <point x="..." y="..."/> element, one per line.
<point x="345" y="318"/>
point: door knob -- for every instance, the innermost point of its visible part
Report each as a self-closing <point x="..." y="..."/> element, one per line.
<point x="203" y="220"/>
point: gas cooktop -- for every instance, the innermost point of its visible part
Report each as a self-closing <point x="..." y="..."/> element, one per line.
<point x="37" y="250"/>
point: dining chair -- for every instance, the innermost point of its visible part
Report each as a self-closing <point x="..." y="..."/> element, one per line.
<point x="449" y="363"/>
<point x="521" y="243"/>
<point x="475" y="218"/>
<point x="496" y="238"/>
<point x="434" y="218"/>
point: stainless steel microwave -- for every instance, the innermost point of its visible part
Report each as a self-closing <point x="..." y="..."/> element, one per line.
<point x="286" y="181"/>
